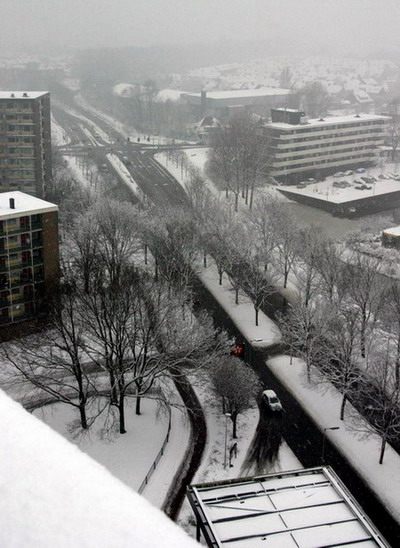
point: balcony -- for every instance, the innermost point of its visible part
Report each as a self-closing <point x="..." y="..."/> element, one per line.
<point x="17" y="229"/>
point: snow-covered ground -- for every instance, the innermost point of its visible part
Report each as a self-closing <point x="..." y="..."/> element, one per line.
<point x="362" y="452"/>
<point x="123" y="456"/>
<point x="264" y="335"/>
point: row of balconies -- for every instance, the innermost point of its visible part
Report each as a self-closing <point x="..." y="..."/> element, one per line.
<point x="322" y="152"/>
<point x="301" y="134"/>
<point x="334" y="162"/>
<point x="372" y="153"/>
<point x="316" y="142"/>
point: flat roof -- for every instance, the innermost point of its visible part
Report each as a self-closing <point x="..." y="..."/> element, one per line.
<point x="324" y="190"/>
<point x="19" y="94"/>
<point x="331" y="120"/>
<point x="395" y="231"/>
<point x="236" y="93"/>
<point x="297" y="509"/>
<point x="24" y="205"/>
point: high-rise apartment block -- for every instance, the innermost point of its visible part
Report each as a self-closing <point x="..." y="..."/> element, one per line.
<point x="25" y="141"/>
<point x="29" y="256"/>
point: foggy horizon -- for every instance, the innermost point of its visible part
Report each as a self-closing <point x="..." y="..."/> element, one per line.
<point x="355" y="27"/>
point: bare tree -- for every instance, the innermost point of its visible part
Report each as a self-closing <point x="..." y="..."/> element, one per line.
<point x="341" y="365"/>
<point x="380" y="400"/>
<point x="236" y="385"/>
<point x="314" y="99"/>
<point x="53" y="363"/>
<point x="365" y="289"/>
<point x="304" y="330"/>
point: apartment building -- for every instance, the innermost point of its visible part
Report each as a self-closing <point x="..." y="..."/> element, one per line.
<point x="299" y="147"/>
<point x="25" y="141"/>
<point x="29" y="256"/>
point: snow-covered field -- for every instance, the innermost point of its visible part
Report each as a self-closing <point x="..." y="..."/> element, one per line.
<point x="128" y="457"/>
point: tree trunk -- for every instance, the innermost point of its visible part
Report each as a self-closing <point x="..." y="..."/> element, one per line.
<point x="363" y="335"/>
<point x="82" y="412"/>
<point x="205" y="259"/>
<point x="236" y="295"/>
<point x="145" y="253"/>
<point x="220" y="272"/>
<point x="113" y="388"/>
<point x="236" y="202"/>
<point x="343" y="405"/>
<point x="121" y="409"/>
<point x="234" y="422"/>
<point x="383" y="447"/>
<point x="256" y="309"/>
<point x="138" y="401"/>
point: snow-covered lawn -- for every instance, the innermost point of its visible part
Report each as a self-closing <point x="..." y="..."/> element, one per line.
<point x="128" y="456"/>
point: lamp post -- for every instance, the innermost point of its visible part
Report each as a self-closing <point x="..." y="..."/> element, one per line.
<point x="227" y="416"/>
<point x="323" y="441"/>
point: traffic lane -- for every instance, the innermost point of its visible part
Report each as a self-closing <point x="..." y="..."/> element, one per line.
<point x="267" y="441"/>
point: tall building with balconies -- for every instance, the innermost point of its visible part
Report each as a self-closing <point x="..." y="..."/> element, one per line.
<point x="299" y="147"/>
<point x="29" y="256"/>
<point x="25" y="141"/>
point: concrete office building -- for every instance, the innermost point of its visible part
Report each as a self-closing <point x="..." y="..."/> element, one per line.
<point x="299" y="147"/>
<point x="25" y="141"/>
<point x="29" y="257"/>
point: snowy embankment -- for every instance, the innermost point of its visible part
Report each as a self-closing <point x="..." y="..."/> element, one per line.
<point x="124" y="175"/>
<point x="59" y="137"/>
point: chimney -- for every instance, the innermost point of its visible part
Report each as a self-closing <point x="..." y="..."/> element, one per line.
<point x="12" y="203"/>
<point x="24" y="94"/>
<point x="203" y="102"/>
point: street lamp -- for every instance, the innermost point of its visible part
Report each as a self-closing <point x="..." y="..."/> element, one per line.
<point x="227" y="416"/>
<point x="323" y="441"/>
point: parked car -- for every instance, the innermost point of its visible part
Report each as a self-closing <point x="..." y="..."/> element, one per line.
<point x="360" y="170"/>
<point x="272" y="400"/>
<point x="349" y="172"/>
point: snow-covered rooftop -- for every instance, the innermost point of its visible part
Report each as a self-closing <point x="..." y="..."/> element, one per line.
<point x="333" y="120"/>
<point x="20" y="94"/>
<point x="395" y="231"/>
<point x="237" y="93"/>
<point x="296" y="509"/>
<point x="325" y="190"/>
<point x="24" y="204"/>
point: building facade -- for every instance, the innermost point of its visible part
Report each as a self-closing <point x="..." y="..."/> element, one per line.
<point x="223" y="105"/>
<point x="29" y="256"/>
<point x="299" y="146"/>
<point x="25" y="141"/>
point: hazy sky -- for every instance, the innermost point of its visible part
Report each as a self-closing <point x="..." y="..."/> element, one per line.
<point x="356" y="24"/>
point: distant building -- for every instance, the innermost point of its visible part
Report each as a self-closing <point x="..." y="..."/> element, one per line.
<point x="207" y="128"/>
<point x="391" y="237"/>
<point x="301" y="508"/>
<point x="29" y="257"/>
<point x="25" y="141"/>
<point x="225" y="104"/>
<point x="298" y="146"/>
